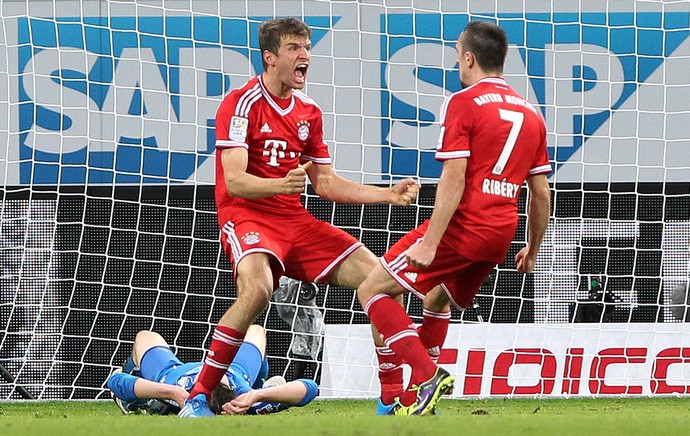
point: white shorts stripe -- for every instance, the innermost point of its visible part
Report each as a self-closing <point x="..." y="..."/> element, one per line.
<point x="400" y="281"/>
<point x="233" y="241"/>
<point x="323" y="274"/>
<point x="450" y="297"/>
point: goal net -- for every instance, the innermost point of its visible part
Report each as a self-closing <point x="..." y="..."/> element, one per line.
<point x="107" y="217"/>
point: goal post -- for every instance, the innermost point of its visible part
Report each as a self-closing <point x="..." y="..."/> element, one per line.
<point x="107" y="216"/>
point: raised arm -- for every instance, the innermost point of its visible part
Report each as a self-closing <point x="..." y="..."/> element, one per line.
<point x="537" y="219"/>
<point x="330" y="186"/>
<point x="239" y="183"/>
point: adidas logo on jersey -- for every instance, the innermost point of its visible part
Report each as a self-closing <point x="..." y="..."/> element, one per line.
<point x="266" y="129"/>
<point x="411" y="276"/>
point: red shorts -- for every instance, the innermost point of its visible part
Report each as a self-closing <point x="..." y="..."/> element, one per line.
<point x="301" y="247"/>
<point x="460" y="277"/>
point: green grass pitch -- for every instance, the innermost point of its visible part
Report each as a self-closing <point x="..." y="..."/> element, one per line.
<point x="586" y="417"/>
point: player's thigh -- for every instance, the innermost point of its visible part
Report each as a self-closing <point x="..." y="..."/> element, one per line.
<point x="437" y="300"/>
<point x="257" y="336"/>
<point x="144" y="341"/>
<point x="157" y="361"/>
<point x="352" y="271"/>
<point x="250" y="237"/>
<point x="254" y="273"/>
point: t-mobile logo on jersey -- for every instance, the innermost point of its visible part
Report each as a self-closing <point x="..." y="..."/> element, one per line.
<point x="274" y="149"/>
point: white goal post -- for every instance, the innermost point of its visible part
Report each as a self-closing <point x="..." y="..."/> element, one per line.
<point x="107" y="218"/>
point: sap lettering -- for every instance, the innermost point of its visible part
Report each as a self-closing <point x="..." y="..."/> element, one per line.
<point x="584" y="75"/>
<point x="137" y="104"/>
<point x="401" y="72"/>
<point x="572" y="373"/>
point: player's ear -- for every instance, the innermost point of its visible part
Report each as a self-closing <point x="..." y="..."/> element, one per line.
<point x="269" y="58"/>
<point x="469" y="58"/>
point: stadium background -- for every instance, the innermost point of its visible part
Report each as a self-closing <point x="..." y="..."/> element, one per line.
<point x="108" y="227"/>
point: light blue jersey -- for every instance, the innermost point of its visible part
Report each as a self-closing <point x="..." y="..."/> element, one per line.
<point x="248" y="370"/>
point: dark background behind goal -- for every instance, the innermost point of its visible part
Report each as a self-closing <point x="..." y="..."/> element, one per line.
<point x="133" y="258"/>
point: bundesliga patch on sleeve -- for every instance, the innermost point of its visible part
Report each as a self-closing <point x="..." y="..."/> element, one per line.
<point x="238" y="129"/>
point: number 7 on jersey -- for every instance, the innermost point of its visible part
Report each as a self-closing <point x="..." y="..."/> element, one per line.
<point x="516" y="118"/>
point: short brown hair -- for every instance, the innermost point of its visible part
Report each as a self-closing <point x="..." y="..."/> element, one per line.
<point x="489" y="44"/>
<point x="219" y="396"/>
<point x="271" y="31"/>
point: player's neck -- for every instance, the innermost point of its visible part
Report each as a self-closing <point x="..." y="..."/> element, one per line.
<point x="277" y="88"/>
<point x="484" y="75"/>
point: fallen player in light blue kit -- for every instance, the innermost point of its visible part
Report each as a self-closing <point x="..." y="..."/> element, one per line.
<point x="155" y="381"/>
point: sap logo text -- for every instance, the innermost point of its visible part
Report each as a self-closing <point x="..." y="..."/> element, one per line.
<point x="127" y="99"/>
<point x="578" y="69"/>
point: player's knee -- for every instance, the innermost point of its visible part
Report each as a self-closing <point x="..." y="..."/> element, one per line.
<point x="256" y="330"/>
<point x="143" y="336"/>
<point x="262" y="296"/>
<point x="122" y="385"/>
<point x="312" y="391"/>
<point x="365" y="292"/>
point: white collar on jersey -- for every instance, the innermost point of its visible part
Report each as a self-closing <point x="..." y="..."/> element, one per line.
<point x="274" y="105"/>
<point x="493" y="79"/>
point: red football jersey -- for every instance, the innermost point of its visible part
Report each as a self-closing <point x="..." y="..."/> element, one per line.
<point x="279" y="134"/>
<point x="503" y="137"/>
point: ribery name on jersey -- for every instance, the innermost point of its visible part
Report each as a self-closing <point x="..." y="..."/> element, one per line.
<point x="501" y="188"/>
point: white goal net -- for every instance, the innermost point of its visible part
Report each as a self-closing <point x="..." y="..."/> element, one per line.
<point x="107" y="218"/>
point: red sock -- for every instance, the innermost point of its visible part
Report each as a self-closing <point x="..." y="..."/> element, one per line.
<point x="390" y="374"/>
<point x="400" y="334"/>
<point x="433" y="332"/>
<point x="224" y="346"/>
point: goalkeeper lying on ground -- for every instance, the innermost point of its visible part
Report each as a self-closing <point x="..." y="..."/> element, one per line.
<point x="154" y="380"/>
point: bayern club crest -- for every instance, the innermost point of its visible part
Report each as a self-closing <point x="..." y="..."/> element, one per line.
<point x="303" y="130"/>
<point x="251" y="238"/>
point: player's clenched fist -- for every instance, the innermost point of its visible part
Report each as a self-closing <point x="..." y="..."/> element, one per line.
<point x="295" y="180"/>
<point x="405" y="191"/>
<point x="523" y="262"/>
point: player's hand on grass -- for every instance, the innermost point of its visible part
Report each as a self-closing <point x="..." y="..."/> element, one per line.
<point x="295" y="180"/>
<point x="525" y="263"/>
<point x="404" y="192"/>
<point x="421" y="254"/>
<point x="241" y="403"/>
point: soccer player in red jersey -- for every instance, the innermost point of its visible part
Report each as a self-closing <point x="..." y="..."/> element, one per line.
<point x="491" y="142"/>
<point x="269" y="139"/>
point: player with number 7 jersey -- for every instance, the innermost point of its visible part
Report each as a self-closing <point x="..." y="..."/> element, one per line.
<point x="492" y="140"/>
<point x="503" y="138"/>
